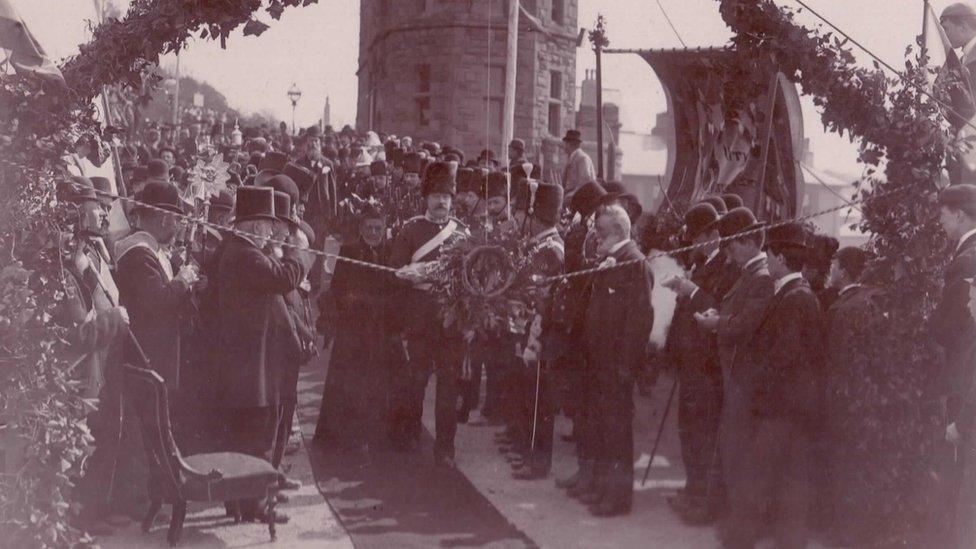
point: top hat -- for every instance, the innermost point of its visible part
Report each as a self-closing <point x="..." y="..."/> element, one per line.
<point x="573" y="136"/>
<point x="791" y="234"/>
<point x="165" y="196"/>
<point x="698" y="218"/>
<point x="273" y="160"/>
<point x="282" y="183"/>
<point x="543" y="201"/>
<point x="587" y="198"/>
<point x="732" y="201"/>
<point x="479" y="182"/>
<point x="737" y="221"/>
<point x="282" y="206"/>
<point x="438" y="178"/>
<point x="253" y="203"/>
<point x="302" y="177"/>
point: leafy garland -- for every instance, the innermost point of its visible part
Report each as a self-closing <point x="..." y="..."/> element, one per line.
<point x="40" y="123"/>
<point x="899" y="128"/>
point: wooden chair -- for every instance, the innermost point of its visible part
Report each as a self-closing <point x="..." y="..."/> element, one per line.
<point x="176" y="480"/>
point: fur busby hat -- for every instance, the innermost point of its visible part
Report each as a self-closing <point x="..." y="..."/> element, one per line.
<point x="587" y="198"/>
<point x="543" y="201"/>
<point x="411" y="163"/>
<point x="254" y="203"/>
<point x="465" y="181"/>
<point x="497" y="184"/>
<point x="791" y="235"/>
<point x="377" y="167"/>
<point x="479" y="182"/>
<point x="438" y="178"/>
<point x="526" y="170"/>
<point x="302" y="177"/>
<point x="698" y="218"/>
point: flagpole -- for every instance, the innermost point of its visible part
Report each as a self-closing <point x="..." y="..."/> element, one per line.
<point x="925" y="27"/>
<point x="511" y="61"/>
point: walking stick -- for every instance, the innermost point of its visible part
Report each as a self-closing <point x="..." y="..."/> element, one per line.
<point x="535" y="412"/>
<point x="660" y="429"/>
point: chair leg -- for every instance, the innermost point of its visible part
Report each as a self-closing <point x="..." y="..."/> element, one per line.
<point x="150" y="518"/>
<point x="176" y="522"/>
<point x="271" y="515"/>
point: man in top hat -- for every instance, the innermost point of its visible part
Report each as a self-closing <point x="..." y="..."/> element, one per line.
<point x="735" y="323"/>
<point x="695" y="353"/>
<point x="252" y="341"/>
<point x="516" y="153"/>
<point x="579" y="167"/>
<point x="430" y="347"/>
<point x="784" y="404"/>
<point x="537" y="212"/>
<point x="617" y="323"/>
<point x="154" y="295"/>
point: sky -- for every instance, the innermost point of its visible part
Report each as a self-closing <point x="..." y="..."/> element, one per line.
<point x="316" y="47"/>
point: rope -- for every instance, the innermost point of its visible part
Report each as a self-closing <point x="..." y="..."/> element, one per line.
<point x="885" y="64"/>
<point x="693" y="247"/>
<point x="668" y="19"/>
<point x="238" y="232"/>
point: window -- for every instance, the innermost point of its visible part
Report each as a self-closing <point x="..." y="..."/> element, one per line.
<point x="423" y="111"/>
<point x="557" y="12"/>
<point x="556" y="85"/>
<point x="554" y="119"/>
<point x="423" y="76"/>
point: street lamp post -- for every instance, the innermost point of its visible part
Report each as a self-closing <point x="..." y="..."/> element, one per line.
<point x="294" y="94"/>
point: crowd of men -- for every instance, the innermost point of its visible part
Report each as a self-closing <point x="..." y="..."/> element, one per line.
<point x="226" y="312"/>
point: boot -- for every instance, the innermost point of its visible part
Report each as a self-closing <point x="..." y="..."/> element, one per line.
<point x="568" y="482"/>
<point x="618" y="497"/>
<point x="584" y="483"/>
<point x="597" y="487"/>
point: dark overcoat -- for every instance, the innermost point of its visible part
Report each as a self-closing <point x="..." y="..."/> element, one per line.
<point x="255" y="334"/>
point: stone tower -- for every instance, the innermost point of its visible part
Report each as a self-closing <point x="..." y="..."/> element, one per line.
<point x="435" y="70"/>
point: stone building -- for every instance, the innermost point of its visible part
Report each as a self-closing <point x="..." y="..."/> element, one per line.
<point x="586" y="123"/>
<point x="435" y="70"/>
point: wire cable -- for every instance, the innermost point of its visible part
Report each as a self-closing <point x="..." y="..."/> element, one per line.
<point x="670" y="24"/>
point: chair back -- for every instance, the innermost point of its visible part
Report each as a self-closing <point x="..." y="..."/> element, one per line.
<point x="146" y="392"/>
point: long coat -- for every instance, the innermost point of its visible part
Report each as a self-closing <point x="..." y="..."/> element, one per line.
<point x="155" y="302"/>
<point x="252" y="321"/>
<point x="953" y="327"/>
<point x="619" y="316"/>
<point x="365" y="351"/>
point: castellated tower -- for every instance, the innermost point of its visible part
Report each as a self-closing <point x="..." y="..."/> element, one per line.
<point x="435" y="70"/>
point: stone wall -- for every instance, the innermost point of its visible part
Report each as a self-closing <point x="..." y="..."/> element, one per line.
<point x="464" y="48"/>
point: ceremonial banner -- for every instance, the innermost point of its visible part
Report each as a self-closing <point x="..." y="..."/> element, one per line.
<point x="26" y="55"/>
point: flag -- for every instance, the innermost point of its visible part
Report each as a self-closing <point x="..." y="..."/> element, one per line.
<point x="937" y="45"/>
<point x="26" y="54"/>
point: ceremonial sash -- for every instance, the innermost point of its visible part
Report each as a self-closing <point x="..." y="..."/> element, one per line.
<point x="144" y="240"/>
<point x="433" y="243"/>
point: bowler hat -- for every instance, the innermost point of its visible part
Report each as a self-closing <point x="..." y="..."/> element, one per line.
<point x="438" y="178"/>
<point x="253" y="203"/>
<point x="732" y="201"/>
<point x="283" y="183"/>
<point x="282" y="205"/>
<point x="302" y="177"/>
<point x="497" y="184"/>
<point x="699" y="217"/>
<point x="586" y="199"/>
<point x="77" y="190"/>
<point x="104" y="186"/>
<point x="738" y="221"/>
<point x="717" y="203"/>
<point x="517" y="144"/>
<point x="543" y="201"/>
<point x="790" y="234"/>
<point x="573" y="136"/>
<point x="165" y="196"/>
